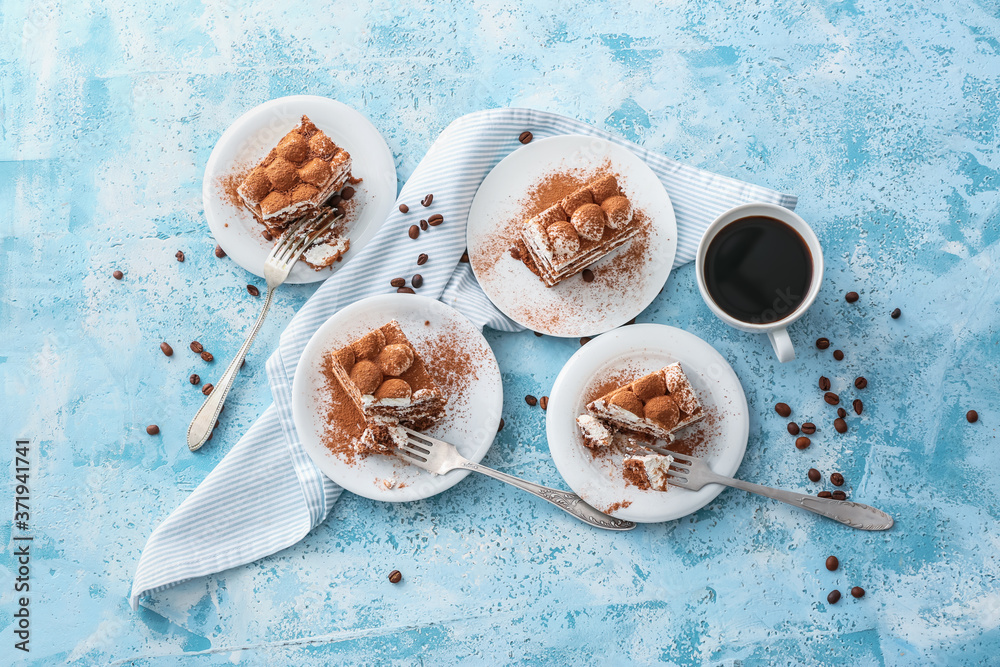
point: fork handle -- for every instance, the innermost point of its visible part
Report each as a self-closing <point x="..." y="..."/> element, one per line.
<point x="204" y="420"/>
<point x="855" y="515"/>
<point x="564" y="500"/>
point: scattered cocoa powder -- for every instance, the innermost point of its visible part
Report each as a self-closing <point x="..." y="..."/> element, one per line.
<point x="620" y="505"/>
<point x="230" y="184"/>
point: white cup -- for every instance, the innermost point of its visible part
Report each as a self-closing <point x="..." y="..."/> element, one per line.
<point x="776" y="330"/>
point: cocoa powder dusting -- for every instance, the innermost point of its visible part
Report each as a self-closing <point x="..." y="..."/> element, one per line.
<point x="230" y="184"/>
<point x="620" y="505"/>
<point x="344" y="421"/>
<point x="452" y="363"/>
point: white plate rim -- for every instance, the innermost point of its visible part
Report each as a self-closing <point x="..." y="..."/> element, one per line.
<point x="666" y="225"/>
<point x="393" y="305"/>
<point x="379" y="177"/>
<point x="565" y="390"/>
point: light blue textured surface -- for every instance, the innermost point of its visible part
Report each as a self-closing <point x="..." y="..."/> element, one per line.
<point x="884" y="122"/>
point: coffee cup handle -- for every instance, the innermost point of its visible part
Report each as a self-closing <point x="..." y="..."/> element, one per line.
<point x="782" y="344"/>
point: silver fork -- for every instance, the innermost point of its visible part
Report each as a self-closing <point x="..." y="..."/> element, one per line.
<point x="438" y="457"/>
<point x="276" y="269"/>
<point x="692" y="473"/>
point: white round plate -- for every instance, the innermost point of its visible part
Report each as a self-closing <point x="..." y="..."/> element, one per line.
<point x="471" y="418"/>
<point x="623" y="286"/>
<point x="630" y="352"/>
<point x="250" y="139"/>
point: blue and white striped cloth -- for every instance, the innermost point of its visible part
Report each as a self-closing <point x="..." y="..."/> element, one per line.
<point x="267" y="494"/>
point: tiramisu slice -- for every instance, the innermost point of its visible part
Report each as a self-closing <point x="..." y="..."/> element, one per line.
<point x="657" y="404"/>
<point x="575" y="232"/>
<point x="387" y="380"/>
<point x="302" y="172"/>
<point x="647" y="472"/>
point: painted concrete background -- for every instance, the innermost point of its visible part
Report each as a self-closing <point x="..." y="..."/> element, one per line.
<point x="884" y="120"/>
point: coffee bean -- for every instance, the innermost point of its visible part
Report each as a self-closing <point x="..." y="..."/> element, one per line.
<point x="334" y="201"/>
<point x="860" y="382"/>
<point x="152" y="429"/>
<point x="631" y="321"/>
<point x="194" y="379"/>
<point x="267" y="235"/>
<point x="831" y="398"/>
<point x="824" y="494"/>
<point x="421" y="259"/>
<point x="435" y="220"/>
<point x="426" y="201"/>
<point x="839" y="495"/>
<point x="252" y="289"/>
<point x="793" y="428"/>
<point x="858" y="592"/>
<point x="851" y="297"/>
<point x="525" y="137"/>
<point x="531" y="400"/>
<point x="403" y="208"/>
<point x="895" y="313"/>
<point x="824" y="383"/>
<point x="423" y="225"/>
<point x="395" y="577"/>
<point x="833" y="597"/>
<point x="858" y="406"/>
<point x="841" y="412"/>
<point x="464" y="259"/>
<point x="207" y="389"/>
<point x="588" y="276"/>
<point x="808" y="428"/>
<point x="584" y="340"/>
<point x="832" y="563"/>
<point x="500" y="427"/>
<point x="822" y="343"/>
<point x="972" y="416"/>
<point x="543" y="402"/>
<point x="414" y="231"/>
<point x="417" y="280"/>
<point x="802" y="442"/>
<point x="207" y="356"/>
<point x="397" y="282"/>
<point x="166" y="349"/>
<point x="118" y="275"/>
<point x="814" y="475"/>
<point x="347" y="193"/>
<point x="196" y="347"/>
<point x="838" y="355"/>
<point x="836" y="479"/>
<point x="840" y="425"/>
<point x="219" y="252"/>
<point x="179" y="255"/>
<point x="405" y="290"/>
<point x="538" y="334"/>
<point x="515" y="252"/>
<point x="782" y="409"/>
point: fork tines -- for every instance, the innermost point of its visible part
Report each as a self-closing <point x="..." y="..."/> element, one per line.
<point x="414" y="451"/>
<point x="294" y="243"/>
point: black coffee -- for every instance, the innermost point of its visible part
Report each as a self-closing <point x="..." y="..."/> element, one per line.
<point x="758" y="269"/>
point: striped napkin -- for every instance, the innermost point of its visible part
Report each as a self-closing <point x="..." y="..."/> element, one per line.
<point x="267" y="494"/>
